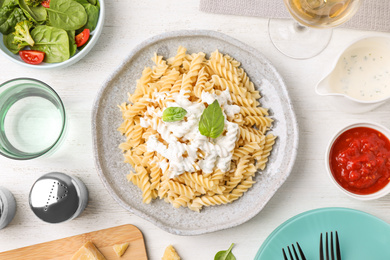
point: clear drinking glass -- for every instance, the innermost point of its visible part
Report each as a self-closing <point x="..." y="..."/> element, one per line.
<point x="32" y="119"/>
<point x="311" y="31"/>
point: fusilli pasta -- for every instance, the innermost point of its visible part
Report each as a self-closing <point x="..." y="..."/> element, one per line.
<point x="209" y="172"/>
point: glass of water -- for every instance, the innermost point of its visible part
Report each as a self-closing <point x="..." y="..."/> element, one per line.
<point x="32" y="119"/>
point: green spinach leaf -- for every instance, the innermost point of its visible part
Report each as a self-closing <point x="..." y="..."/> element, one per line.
<point x="5" y="12"/>
<point x="35" y="14"/>
<point x="212" y="121"/>
<point x="82" y="2"/>
<point x="72" y="43"/>
<point x="93" y="2"/>
<point x="7" y="2"/>
<point x="8" y="25"/>
<point x="67" y="15"/>
<point x="173" y="114"/>
<point x="93" y="15"/>
<point x="225" y="255"/>
<point x="8" y="42"/>
<point x="54" y="42"/>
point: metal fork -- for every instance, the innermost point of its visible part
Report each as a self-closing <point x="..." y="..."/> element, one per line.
<point x="295" y="253"/>
<point x="333" y="248"/>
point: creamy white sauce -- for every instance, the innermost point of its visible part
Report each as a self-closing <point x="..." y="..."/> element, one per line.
<point x="183" y="157"/>
<point x="163" y="165"/>
<point x="363" y="72"/>
<point x="143" y="122"/>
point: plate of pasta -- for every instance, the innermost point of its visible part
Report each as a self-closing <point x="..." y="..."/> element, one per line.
<point x="194" y="132"/>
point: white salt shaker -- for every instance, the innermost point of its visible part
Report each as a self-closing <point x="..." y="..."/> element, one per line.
<point x="7" y="207"/>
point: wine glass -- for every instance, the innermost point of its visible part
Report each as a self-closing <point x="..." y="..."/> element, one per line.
<point x="311" y="31"/>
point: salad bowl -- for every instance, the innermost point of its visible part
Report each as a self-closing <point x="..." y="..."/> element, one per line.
<point x="80" y="52"/>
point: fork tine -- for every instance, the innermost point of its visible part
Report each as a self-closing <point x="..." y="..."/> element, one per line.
<point x="327" y="247"/>
<point x="333" y="249"/>
<point x="301" y="252"/>
<point x="321" y="249"/>
<point x="295" y="252"/>
<point x="338" y="253"/>
<point x="289" y="251"/>
<point x="284" y="254"/>
<point x="331" y="246"/>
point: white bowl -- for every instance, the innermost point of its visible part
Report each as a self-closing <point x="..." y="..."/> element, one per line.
<point x="345" y="102"/>
<point x="75" y="58"/>
<point x="382" y="129"/>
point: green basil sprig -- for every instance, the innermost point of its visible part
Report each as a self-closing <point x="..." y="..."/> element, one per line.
<point x="212" y="121"/>
<point x="173" y="114"/>
<point x="225" y="255"/>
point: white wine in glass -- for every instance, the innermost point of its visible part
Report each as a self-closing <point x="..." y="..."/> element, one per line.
<point x="311" y="31"/>
<point x="322" y="13"/>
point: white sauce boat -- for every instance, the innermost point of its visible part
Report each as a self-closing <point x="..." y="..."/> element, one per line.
<point x="350" y="81"/>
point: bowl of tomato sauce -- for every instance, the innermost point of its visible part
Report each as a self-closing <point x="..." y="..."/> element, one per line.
<point x="358" y="160"/>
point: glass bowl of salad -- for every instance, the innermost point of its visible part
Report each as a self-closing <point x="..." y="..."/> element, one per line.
<point x="47" y="34"/>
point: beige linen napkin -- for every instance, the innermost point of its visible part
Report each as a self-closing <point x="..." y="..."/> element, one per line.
<point x="373" y="15"/>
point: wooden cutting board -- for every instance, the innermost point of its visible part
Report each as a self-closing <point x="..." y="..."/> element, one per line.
<point x="63" y="249"/>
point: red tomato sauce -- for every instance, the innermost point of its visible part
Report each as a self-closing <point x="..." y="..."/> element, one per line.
<point x="360" y="160"/>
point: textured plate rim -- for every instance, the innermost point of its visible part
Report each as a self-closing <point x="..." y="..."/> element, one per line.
<point x="191" y="33"/>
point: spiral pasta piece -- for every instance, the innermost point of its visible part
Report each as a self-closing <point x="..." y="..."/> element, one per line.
<point x="141" y="83"/>
<point x="258" y="121"/>
<point x="238" y="174"/>
<point x="204" y="182"/>
<point x="247" y="149"/>
<point x="248" y="135"/>
<point x="206" y="200"/>
<point x="269" y="142"/>
<point x="225" y="61"/>
<point x="181" y="201"/>
<point x="254" y="111"/>
<point x="169" y="80"/>
<point x="223" y="72"/>
<point x="177" y="61"/>
<point x="144" y="184"/>
<point x="241" y="189"/>
<point x="226" y="84"/>
<point x="180" y="188"/>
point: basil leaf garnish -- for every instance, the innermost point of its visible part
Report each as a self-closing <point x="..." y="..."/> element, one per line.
<point x="212" y="121"/>
<point x="225" y="255"/>
<point x="173" y="114"/>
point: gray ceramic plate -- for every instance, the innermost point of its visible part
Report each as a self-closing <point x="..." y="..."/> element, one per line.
<point x="106" y="117"/>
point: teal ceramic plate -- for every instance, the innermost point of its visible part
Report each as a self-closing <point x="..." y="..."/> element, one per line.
<point x="362" y="236"/>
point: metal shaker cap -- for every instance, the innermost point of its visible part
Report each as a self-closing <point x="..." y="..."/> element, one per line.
<point x="7" y="207"/>
<point x="56" y="197"/>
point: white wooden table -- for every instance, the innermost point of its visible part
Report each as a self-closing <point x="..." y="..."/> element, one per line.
<point x="127" y="24"/>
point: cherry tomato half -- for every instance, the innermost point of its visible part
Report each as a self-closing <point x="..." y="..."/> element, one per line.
<point x="82" y="38"/>
<point x="32" y="57"/>
<point x="46" y="3"/>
